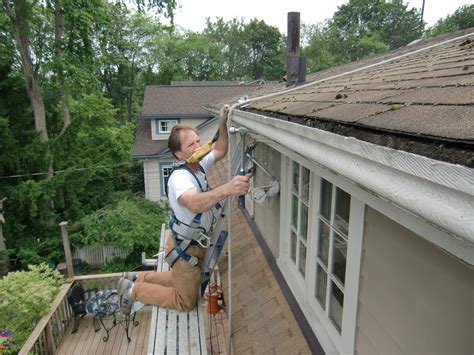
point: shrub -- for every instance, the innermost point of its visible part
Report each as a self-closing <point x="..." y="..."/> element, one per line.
<point x="26" y="296"/>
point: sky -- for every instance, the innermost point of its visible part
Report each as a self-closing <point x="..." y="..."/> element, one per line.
<point x="191" y="14"/>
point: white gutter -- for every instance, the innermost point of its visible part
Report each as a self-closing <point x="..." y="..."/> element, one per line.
<point x="442" y="194"/>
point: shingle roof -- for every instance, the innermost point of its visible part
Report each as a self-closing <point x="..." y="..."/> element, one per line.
<point x="185" y="100"/>
<point x="425" y="98"/>
<point x="145" y="146"/>
<point x="179" y="101"/>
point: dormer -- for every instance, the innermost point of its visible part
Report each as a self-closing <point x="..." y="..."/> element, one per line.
<point x="161" y="125"/>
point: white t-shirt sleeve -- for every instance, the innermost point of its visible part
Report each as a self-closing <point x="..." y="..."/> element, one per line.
<point x="180" y="182"/>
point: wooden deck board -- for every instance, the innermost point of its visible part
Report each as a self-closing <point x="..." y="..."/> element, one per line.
<point x="86" y="341"/>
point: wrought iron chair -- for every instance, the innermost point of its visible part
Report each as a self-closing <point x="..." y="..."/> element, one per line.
<point x="77" y="300"/>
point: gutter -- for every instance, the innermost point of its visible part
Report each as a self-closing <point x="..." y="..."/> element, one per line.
<point x="440" y="193"/>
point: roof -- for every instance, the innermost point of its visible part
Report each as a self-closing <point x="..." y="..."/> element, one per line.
<point x="187" y="100"/>
<point x="419" y="98"/>
<point x="178" y="101"/>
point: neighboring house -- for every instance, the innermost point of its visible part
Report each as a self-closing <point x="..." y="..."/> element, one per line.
<point x="371" y="238"/>
<point x="166" y="106"/>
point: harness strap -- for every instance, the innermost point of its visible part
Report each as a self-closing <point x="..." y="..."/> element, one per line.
<point x="178" y="251"/>
<point x="192" y="232"/>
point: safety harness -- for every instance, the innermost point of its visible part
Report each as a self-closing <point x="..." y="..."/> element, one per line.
<point x="189" y="234"/>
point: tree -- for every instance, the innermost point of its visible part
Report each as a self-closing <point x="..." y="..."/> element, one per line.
<point x="377" y="22"/>
<point x="462" y="18"/>
<point x="251" y="51"/>
<point x="318" y="50"/>
<point x="26" y="296"/>
<point x="265" y="50"/>
<point x="63" y="44"/>
<point x="128" y="222"/>
<point x="21" y="16"/>
<point x="230" y="35"/>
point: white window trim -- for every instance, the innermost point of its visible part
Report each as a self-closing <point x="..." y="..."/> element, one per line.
<point x="303" y="289"/>
<point x="158" y="126"/>
<point x="164" y="166"/>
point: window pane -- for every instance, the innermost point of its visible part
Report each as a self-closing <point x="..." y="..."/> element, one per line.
<point x="326" y="197"/>
<point x="343" y="205"/>
<point x="303" y="221"/>
<point x="323" y="247"/>
<point x="302" y="259"/>
<point x="321" y="284"/>
<point x="293" y="246"/>
<point x="339" y="258"/>
<point x="294" y="212"/>
<point x="296" y="177"/>
<point x="305" y="184"/>
<point x="336" y="305"/>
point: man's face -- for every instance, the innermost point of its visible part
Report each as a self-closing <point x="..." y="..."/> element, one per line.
<point x="190" y="141"/>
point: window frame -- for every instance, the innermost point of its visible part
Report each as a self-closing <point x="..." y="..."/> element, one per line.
<point x="163" y="166"/>
<point x="297" y="232"/>
<point x="303" y="290"/>
<point x="158" y="129"/>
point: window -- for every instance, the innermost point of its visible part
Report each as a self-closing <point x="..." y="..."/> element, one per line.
<point x="299" y="217"/>
<point x="165" y="126"/>
<point x="322" y="222"/>
<point x="331" y="256"/>
<point x="166" y="171"/>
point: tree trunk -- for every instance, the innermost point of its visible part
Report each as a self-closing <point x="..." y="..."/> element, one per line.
<point x="58" y="37"/>
<point x="3" y="247"/>
<point x="19" y="19"/>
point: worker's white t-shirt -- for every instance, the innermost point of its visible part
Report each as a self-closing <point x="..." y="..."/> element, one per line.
<point x="180" y="181"/>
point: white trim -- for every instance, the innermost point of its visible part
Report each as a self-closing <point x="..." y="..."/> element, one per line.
<point x="437" y="195"/>
<point x="303" y="289"/>
<point x="168" y="131"/>
<point x="353" y="262"/>
<point x="285" y="229"/>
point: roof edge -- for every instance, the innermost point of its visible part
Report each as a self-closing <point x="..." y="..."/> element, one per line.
<point x="439" y="193"/>
<point x="174" y="115"/>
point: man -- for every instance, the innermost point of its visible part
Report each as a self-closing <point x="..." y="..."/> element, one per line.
<point x="192" y="203"/>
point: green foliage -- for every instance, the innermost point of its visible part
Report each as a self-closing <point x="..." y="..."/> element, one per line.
<point x="462" y="18"/>
<point x="365" y="27"/>
<point x="119" y="265"/>
<point x="20" y="308"/>
<point x="251" y="50"/>
<point x="128" y="222"/>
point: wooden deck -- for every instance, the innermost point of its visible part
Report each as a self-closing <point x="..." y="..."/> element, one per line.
<point x="86" y="341"/>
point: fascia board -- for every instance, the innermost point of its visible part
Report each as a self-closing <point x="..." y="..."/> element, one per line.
<point x="442" y="194"/>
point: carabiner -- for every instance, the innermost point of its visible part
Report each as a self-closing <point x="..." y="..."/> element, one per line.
<point x="205" y="237"/>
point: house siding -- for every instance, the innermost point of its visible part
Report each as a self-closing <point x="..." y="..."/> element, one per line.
<point x="151" y="170"/>
<point x="267" y="213"/>
<point x="413" y="297"/>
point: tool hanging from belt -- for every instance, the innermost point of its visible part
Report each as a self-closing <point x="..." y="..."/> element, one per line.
<point x="189" y="234"/>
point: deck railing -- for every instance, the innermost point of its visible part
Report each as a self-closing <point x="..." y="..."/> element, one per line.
<point x="52" y="328"/>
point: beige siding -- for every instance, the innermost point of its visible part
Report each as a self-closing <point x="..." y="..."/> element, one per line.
<point x="414" y="298"/>
<point x="267" y="214"/>
<point x="151" y="169"/>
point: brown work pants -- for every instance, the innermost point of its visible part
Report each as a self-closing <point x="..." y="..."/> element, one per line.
<point x="178" y="288"/>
